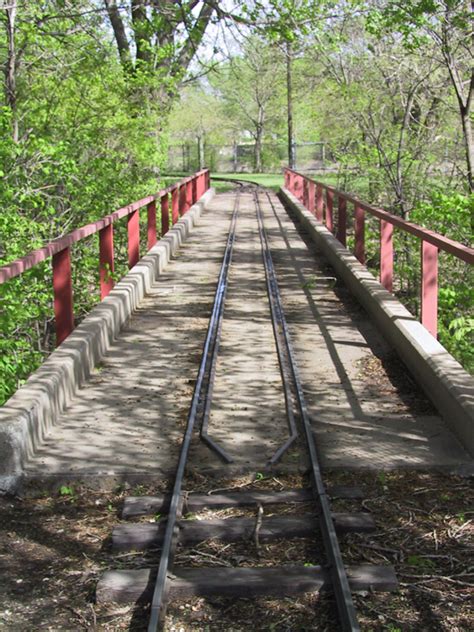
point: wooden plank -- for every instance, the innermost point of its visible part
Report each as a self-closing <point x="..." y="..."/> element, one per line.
<point x="147" y="505"/>
<point x="137" y="585"/>
<point x="144" y="535"/>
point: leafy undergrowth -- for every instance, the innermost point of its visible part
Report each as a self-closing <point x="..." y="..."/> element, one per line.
<point x="53" y="549"/>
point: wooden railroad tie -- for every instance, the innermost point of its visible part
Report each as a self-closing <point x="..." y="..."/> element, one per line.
<point x="137" y="585"/>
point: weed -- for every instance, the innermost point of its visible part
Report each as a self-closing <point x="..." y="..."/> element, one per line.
<point x="66" y="490"/>
<point x="420" y="562"/>
<point x="382" y="479"/>
<point x="310" y="284"/>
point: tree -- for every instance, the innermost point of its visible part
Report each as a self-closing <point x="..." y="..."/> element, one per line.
<point x="252" y="89"/>
<point x="198" y="117"/>
<point x="166" y="35"/>
<point x="449" y="24"/>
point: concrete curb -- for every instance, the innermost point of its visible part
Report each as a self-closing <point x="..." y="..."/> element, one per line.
<point x="27" y="415"/>
<point x="445" y="382"/>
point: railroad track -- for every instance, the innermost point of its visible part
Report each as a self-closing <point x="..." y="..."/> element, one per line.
<point x="158" y="586"/>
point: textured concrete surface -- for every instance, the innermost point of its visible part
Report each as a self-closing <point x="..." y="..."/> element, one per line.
<point x="129" y="419"/>
<point x="28" y="415"/>
<point x="362" y="416"/>
<point x="442" y="378"/>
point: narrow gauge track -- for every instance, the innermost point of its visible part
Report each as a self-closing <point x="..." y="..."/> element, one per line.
<point x="225" y="581"/>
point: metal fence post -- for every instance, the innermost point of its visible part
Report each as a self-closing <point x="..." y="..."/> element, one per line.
<point x="62" y="288"/>
<point x="386" y="254"/>
<point x="174" y="205"/>
<point x="359" y="232"/>
<point x="133" y="226"/>
<point x="106" y="260"/>
<point x="151" y="224"/>
<point x="341" y="219"/>
<point x="329" y="205"/>
<point x="429" y="287"/>
<point x="165" y="213"/>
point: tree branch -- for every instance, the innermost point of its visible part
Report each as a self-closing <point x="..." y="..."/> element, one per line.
<point x="120" y="34"/>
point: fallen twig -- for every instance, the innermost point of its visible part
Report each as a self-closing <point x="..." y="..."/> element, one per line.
<point x="258" y="526"/>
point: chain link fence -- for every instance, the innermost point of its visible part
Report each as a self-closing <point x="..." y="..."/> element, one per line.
<point x="240" y="158"/>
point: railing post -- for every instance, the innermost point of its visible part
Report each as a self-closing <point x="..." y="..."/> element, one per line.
<point x="429" y="287"/>
<point x="208" y="180"/>
<point x="175" y="205"/>
<point x="311" y="194"/>
<point x="62" y="288"/>
<point x="189" y="195"/>
<point x="359" y="232"/>
<point x="305" y="193"/>
<point x="182" y="200"/>
<point x="319" y="203"/>
<point x="133" y="226"/>
<point x="194" y="190"/>
<point x="341" y="219"/>
<point x="329" y="205"/>
<point x="106" y="260"/>
<point x="165" y="214"/>
<point x="151" y="224"/>
<point x="301" y="181"/>
<point x="386" y="254"/>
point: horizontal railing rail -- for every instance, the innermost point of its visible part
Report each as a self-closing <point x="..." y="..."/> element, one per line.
<point x="320" y="199"/>
<point x="182" y="195"/>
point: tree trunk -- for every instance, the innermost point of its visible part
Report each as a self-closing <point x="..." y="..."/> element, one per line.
<point x="10" y="68"/>
<point x="258" y="152"/>
<point x="201" y="159"/>
<point x="289" y="94"/>
<point x="234" y="156"/>
<point x="468" y="145"/>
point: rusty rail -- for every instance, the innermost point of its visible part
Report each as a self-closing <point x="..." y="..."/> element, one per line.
<point x="320" y="199"/>
<point x="183" y="195"/>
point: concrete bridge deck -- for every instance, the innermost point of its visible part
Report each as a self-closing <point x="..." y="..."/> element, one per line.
<point x="127" y="421"/>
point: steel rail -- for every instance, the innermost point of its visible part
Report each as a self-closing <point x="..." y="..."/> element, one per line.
<point x="278" y="324"/>
<point x="340" y="583"/>
<point x="158" y="603"/>
<point x="279" y="332"/>
<point x="212" y="358"/>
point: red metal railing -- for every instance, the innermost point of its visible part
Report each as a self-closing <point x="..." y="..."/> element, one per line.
<point x="183" y="195"/>
<point x="320" y="198"/>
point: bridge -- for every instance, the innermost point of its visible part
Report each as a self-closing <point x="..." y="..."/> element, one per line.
<point x="299" y="330"/>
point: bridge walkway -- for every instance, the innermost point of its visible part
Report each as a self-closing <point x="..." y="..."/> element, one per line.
<point x="127" y="421"/>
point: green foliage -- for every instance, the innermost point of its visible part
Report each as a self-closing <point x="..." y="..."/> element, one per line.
<point x="66" y="490"/>
<point x="88" y="143"/>
<point x="451" y="214"/>
<point x="420" y="562"/>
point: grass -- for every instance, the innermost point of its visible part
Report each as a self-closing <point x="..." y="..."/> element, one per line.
<point x="270" y="180"/>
